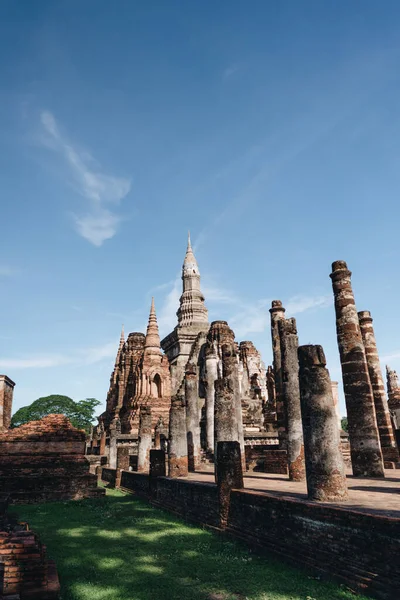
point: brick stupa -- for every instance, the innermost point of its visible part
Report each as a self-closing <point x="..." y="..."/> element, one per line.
<point x="44" y="461"/>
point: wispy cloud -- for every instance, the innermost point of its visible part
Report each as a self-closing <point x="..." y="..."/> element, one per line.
<point x="99" y="223"/>
<point x="230" y="71"/>
<point x="34" y="362"/>
<point x="7" y="271"/>
<point x="82" y="356"/>
<point x="299" y="304"/>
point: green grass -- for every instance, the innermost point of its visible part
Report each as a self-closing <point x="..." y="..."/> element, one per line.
<point x="120" y="548"/>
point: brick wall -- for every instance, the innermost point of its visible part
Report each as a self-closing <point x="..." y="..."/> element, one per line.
<point x="360" y="549"/>
<point x="44" y="461"/>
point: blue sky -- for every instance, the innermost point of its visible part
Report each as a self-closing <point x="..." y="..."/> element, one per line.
<point x="269" y="129"/>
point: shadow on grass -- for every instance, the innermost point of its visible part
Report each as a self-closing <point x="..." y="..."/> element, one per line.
<point x="120" y="548"/>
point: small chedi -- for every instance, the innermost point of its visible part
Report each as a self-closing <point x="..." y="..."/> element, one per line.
<point x="44" y="461"/>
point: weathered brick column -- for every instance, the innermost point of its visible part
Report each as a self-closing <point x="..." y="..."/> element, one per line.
<point x="157" y="469"/>
<point x="6" y="399"/>
<point x="386" y="435"/>
<point x="211" y="376"/>
<point x="366" y="454"/>
<point x="112" y="457"/>
<point x="123" y="458"/>
<point x="102" y="444"/>
<point x="291" y="397"/>
<point x="228" y="412"/>
<point x="326" y="480"/>
<point x="144" y="439"/>
<point x="192" y="417"/>
<point x="277" y="314"/>
<point x="157" y="463"/>
<point x="177" y="447"/>
<point x="229" y="476"/>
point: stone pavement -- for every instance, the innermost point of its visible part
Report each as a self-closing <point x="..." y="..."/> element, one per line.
<point x="372" y="496"/>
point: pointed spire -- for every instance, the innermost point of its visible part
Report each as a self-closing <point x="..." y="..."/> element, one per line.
<point x="120" y="347"/>
<point x="190" y="263"/>
<point x="191" y="309"/>
<point x="152" y="335"/>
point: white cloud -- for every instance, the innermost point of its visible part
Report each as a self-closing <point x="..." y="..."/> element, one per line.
<point x="98" y="226"/>
<point x="299" y="304"/>
<point x="99" y="223"/>
<point x="230" y="71"/>
<point x="86" y="356"/>
<point x="34" y="362"/>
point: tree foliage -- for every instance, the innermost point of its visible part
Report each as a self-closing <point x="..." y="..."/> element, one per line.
<point x="81" y="414"/>
<point x="345" y="426"/>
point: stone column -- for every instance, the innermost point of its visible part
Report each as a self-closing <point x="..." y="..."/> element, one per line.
<point x="177" y="446"/>
<point x="326" y="479"/>
<point x="144" y="439"/>
<point x="157" y="463"/>
<point x="6" y="399"/>
<point x="227" y="402"/>
<point x="211" y="376"/>
<point x="388" y="444"/>
<point x="102" y="449"/>
<point x="291" y="398"/>
<point x="229" y="476"/>
<point x="366" y="454"/>
<point x="157" y="469"/>
<point x="112" y="458"/>
<point x="277" y="314"/>
<point x="192" y="417"/>
<point x="123" y="458"/>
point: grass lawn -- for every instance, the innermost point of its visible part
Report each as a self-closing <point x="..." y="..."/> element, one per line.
<point x="120" y="548"/>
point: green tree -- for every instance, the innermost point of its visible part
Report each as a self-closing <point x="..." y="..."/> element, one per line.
<point x="81" y="414"/>
<point x="345" y="425"/>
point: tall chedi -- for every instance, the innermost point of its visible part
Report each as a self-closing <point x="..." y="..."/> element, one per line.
<point x="192" y="310"/>
<point x="189" y="334"/>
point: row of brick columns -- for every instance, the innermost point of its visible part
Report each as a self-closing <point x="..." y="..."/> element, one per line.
<point x="306" y="416"/>
<point x="371" y="435"/>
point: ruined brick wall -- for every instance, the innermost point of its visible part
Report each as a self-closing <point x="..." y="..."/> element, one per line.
<point x="264" y="459"/>
<point x="360" y="549"/>
<point x="44" y="461"/>
<point x="26" y="572"/>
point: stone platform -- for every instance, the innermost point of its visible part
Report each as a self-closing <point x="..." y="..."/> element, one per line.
<point x="372" y="496"/>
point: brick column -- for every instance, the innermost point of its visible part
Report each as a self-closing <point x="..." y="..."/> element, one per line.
<point x="102" y="449"/>
<point x="6" y="399"/>
<point x="192" y="417"/>
<point x="123" y="458"/>
<point x="144" y="439"/>
<point x="326" y="480"/>
<point x="157" y="463"/>
<point x="157" y="469"/>
<point x="277" y="314"/>
<point x="388" y="444"/>
<point x="229" y="476"/>
<point x="291" y="398"/>
<point x="227" y="402"/>
<point x="177" y="446"/>
<point x="211" y="376"/>
<point x="366" y="454"/>
<point x="112" y="457"/>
